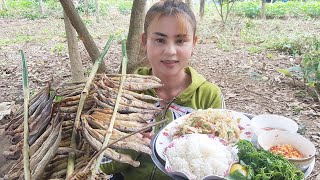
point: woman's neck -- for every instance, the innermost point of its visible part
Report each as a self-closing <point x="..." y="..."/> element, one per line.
<point x="173" y="86"/>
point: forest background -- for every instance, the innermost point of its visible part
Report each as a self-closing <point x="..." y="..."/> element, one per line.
<point x="265" y="61"/>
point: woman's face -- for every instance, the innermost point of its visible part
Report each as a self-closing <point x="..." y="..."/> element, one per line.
<point x="169" y="46"/>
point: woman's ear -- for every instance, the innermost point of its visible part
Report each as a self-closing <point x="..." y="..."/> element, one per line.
<point x="144" y="40"/>
<point x="195" y="40"/>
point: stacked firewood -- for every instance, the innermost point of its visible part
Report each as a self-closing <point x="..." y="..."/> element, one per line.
<point x="51" y="125"/>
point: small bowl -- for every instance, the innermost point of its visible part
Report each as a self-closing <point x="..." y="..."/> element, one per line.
<point x="268" y="122"/>
<point x="302" y="144"/>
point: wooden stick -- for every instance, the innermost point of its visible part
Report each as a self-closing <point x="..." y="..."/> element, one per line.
<point x="84" y="94"/>
<point x="26" y="160"/>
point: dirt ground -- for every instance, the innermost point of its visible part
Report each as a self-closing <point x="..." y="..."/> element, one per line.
<point x="249" y="82"/>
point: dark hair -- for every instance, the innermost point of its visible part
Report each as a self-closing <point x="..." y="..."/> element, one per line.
<point x="169" y="8"/>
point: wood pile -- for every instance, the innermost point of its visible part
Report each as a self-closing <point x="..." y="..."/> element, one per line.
<point x="52" y="113"/>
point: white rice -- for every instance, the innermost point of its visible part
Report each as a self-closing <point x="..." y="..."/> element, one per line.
<point x="199" y="157"/>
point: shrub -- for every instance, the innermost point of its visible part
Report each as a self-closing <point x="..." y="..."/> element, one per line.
<point x="277" y="10"/>
<point x="249" y="9"/>
<point x="125" y="7"/>
<point x="280" y="9"/>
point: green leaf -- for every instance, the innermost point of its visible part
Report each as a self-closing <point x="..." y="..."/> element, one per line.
<point x="311" y="84"/>
<point x="295" y="69"/>
<point x="286" y="72"/>
<point x="58" y="99"/>
<point x="236" y="175"/>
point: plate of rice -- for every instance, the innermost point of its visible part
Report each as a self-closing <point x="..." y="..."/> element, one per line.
<point x="199" y="156"/>
<point x="225" y="124"/>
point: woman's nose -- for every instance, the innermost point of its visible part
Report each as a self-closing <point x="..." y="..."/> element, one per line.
<point x="171" y="49"/>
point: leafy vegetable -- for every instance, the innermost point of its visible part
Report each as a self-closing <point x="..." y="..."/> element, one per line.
<point x="265" y="165"/>
<point x="236" y="175"/>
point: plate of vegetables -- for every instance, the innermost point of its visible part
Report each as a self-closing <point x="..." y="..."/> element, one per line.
<point x="262" y="164"/>
<point x="225" y="124"/>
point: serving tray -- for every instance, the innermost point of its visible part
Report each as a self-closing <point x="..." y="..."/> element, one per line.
<point x="160" y="163"/>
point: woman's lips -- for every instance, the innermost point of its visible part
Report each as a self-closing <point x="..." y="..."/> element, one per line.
<point x="169" y="61"/>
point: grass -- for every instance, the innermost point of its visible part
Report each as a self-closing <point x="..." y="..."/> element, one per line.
<point x="252" y="9"/>
<point x="29" y="8"/>
<point x="257" y="35"/>
<point x="291" y="28"/>
<point x="59" y="48"/>
<point x="241" y="30"/>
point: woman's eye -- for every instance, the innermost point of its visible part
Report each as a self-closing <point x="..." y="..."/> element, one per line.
<point x="160" y="40"/>
<point x="180" y="41"/>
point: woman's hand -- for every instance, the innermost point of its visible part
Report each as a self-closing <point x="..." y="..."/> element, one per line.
<point x="147" y="135"/>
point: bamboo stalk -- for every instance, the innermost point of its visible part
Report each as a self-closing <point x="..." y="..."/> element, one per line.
<point x="25" y="151"/>
<point x="84" y="94"/>
<point x="113" y="118"/>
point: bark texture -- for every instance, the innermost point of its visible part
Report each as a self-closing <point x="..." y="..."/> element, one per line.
<point x="263" y="9"/>
<point x="77" y="72"/>
<point x="134" y="35"/>
<point x="188" y="2"/>
<point x="202" y="2"/>
<point x="41" y="7"/>
<point x="86" y="8"/>
<point x="97" y="11"/>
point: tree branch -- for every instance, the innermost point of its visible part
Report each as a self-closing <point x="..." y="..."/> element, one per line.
<point x="83" y="32"/>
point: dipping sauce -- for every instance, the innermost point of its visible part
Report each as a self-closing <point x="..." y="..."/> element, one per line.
<point x="286" y="150"/>
<point x="270" y="128"/>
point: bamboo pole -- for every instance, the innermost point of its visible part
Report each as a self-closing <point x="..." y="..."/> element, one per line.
<point x="113" y="118"/>
<point x="26" y="160"/>
<point x="84" y="94"/>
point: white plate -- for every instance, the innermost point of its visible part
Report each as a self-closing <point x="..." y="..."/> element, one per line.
<point x="310" y="168"/>
<point x="165" y="136"/>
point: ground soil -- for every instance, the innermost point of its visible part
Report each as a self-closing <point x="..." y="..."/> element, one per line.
<point x="249" y="82"/>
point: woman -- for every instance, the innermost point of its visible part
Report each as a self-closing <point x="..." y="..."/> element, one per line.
<point x="168" y="39"/>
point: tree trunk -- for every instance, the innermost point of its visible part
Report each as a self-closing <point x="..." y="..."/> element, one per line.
<point x="3" y="5"/>
<point x="147" y="6"/>
<point x="263" y="9"/>
<point x="202" y="8"/>
<point x="41" y="7"/>
<point x="77" y="73"/>
<point x="97" y="11"/>
<point x="134" y="35"/>
<point x="83" y="32"/>
<point x="188" y="2"/>
<point x="86" y="8"/>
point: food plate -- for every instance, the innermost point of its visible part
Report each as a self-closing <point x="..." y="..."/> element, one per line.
<point x="165" y="136"/>
<point x="160" y="163"/>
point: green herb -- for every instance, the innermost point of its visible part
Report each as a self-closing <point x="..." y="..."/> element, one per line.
<point x="236" y="175"/>
<point x="265" y="165"/>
